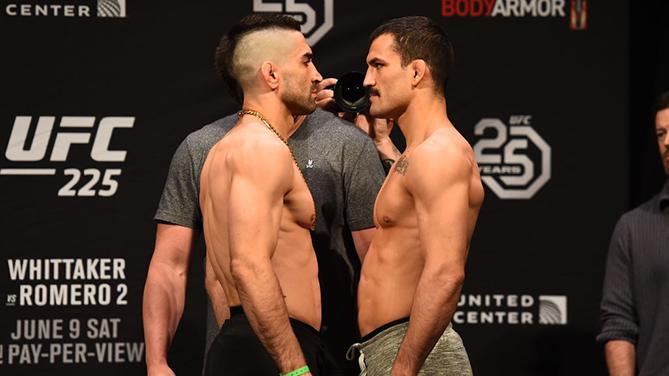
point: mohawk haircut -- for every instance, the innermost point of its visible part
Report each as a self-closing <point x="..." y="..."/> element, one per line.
<point x="225" y="50"/>
<point x="418" y="37"/>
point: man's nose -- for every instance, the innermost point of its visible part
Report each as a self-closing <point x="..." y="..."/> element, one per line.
<point x="317" y="77"/>
<point x="368" y="81"/>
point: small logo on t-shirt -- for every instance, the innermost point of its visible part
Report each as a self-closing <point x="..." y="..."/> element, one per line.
<point x="310" y="164"/>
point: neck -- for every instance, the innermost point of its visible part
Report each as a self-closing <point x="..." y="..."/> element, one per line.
<point x="424" y="115"/>
<point x="298" y="121"/>
<point x="275" y="113"/>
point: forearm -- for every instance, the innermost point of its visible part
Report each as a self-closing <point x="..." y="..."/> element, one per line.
<point x="263" y="302"/>
<point x="620" y="357"/>
<point x="434" y="304"/>
<point x="163" y="304"/>
<point x="386" y="149"/>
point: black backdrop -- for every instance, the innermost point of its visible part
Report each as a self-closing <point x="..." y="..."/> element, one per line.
<point x="564" y="141"/>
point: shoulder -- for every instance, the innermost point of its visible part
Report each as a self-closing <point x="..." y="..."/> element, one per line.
<point x="256" y="147"/>
<point x="438" y="164"/>
<point x="641" y="214"/>
<point x="445" y="153"/>
<point x="206" y="137"/>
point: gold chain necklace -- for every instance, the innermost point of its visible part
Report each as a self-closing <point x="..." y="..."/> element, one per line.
<point x="271" y="128"/>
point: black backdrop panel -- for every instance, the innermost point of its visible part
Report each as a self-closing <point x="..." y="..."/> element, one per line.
<point x="94" y="107"/>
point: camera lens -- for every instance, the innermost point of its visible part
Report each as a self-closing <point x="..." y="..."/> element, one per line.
<point x="353" y="93"/>
<point x="350" y="93"/>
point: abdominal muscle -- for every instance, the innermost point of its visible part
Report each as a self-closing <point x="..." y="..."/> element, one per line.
<point x="389" y="278"/>
<point x="293" y="262"/>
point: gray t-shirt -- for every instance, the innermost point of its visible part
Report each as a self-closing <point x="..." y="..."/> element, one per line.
<point x="344" y="174"/>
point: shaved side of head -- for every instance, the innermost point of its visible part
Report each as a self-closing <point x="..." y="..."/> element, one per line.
<point x="266" y="45"/>
<point x="257" y="47"/>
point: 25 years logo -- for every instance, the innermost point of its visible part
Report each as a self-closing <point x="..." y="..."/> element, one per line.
<point x="312" y="29"/>
<point x="508" y="166"/>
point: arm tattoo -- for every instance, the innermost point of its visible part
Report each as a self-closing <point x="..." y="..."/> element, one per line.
<point x="402" y="165"/>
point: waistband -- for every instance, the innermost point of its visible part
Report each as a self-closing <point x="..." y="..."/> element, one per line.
<point x="239" y="311"/>
<point x="383" y="327"/>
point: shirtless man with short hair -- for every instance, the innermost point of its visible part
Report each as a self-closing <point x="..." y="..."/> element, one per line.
<point x="257" y="209"/>
<point x="425" y="212"/>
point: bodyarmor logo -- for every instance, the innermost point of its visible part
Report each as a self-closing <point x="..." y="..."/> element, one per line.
<point x="312" y="29"/>
<point x="553" y="309"/>
<point x="578" y="17"/>
<point x="27" y="147"/>
<point x="111" y="8"/>
<point x="506" y="172"/>
<point x="503" y="8"/>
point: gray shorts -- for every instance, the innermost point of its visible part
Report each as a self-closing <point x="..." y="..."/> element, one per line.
<point x="377" y="354"/>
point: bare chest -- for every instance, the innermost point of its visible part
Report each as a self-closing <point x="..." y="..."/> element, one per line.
<point x="394" y="204"/>
<point x="299" y="204"/>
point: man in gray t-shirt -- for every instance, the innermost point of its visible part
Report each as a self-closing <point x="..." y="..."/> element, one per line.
<point x="343" y="172"/>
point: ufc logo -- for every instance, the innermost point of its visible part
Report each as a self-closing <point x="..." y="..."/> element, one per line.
<point x="18" y="151"/>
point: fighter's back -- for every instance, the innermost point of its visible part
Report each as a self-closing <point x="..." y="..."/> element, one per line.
<point x="429" y="201"/>
<point x="249" y="184"/>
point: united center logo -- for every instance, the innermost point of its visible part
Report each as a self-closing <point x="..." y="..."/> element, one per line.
<point x="511" y="309"/>
<point x="84" y="9"/>
<point x="515" y="162"/>
<point x="553" y="309"/>
<point x="111" y="8"/>
<point x="314" y="27"/>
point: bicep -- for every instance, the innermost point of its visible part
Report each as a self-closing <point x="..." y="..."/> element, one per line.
<point x="253" y="214"/>
<point x="174" y="244"/>
<point x="442" y="208"/>
<point x="253" y="208"/>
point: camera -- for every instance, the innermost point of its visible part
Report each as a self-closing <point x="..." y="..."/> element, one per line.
<point x="350" y="94"/>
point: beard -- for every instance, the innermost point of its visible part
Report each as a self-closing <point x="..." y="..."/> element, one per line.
<point x="299" y="101"/>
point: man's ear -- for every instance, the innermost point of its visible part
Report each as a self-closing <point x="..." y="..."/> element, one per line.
<point x="269" y="74"/>
<point x="418" y="71"/>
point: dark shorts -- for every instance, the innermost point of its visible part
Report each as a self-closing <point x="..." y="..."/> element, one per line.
<point x="237" y="351"/>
